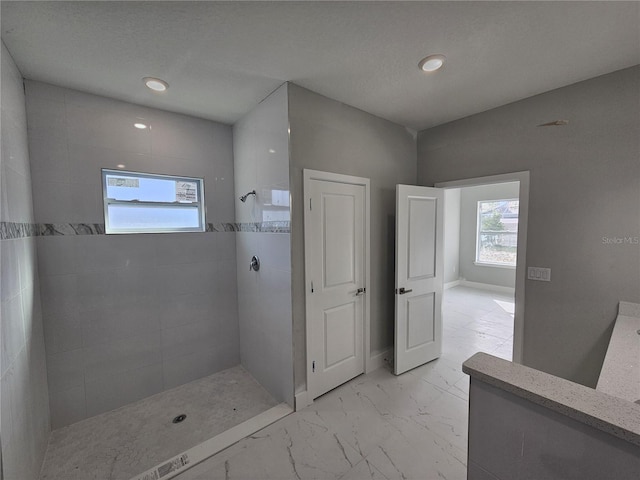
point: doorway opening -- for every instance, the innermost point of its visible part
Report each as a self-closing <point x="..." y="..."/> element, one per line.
<point x="484" y="263"/>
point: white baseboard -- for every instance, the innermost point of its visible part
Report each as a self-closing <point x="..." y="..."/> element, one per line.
<point x="379" y="359"/>
<point x="449" y="285"/>
<point x="488" y="286"/>
<point x="302" y="400"/>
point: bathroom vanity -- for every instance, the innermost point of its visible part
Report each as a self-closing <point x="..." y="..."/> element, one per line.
<point x="620" y="374"/>
<point x="527" y="424"/>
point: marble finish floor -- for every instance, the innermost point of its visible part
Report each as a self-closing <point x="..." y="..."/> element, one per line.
<point x="379" y="426"/>
<point x="120" y="444"/>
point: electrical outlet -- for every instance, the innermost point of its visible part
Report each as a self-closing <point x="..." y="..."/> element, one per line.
<point x="539" y="273"/>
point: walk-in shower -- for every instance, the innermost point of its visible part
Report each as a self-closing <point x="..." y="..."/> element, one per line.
<point x="141" y="329"/>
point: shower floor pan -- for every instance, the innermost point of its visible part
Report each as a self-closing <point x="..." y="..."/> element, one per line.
<point x="141" y="437"/>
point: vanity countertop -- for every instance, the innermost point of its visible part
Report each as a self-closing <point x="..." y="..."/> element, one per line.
<point x="600" y="410"/>
<point x="620" y="374"/>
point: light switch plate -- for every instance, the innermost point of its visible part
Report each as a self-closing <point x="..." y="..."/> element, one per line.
<point x="539" y="273"/>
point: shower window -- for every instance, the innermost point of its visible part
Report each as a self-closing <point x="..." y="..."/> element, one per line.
<point x="146" y="203"/>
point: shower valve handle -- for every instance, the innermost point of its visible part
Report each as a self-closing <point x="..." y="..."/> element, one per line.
<point x="255" y="264"/>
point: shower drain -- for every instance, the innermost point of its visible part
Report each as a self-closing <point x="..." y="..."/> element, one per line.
<point x="179" y="418"/>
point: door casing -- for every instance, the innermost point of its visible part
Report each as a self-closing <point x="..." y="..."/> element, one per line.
<point x="308" y="176"/>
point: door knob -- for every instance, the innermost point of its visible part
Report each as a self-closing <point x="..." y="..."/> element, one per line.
<point x="402" y="291"/>
<point x="360" y="291"/>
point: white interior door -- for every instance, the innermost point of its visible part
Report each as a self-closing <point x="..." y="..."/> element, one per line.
<point x="419" y="276"/>
<point x="335" y="276"/>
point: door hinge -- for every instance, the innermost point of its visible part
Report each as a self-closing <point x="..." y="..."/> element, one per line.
<point x="313" y="366"/>
<point x="310" y="207"/>
<point x="311" y="287"/>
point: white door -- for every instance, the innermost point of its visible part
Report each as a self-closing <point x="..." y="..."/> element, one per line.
<point x="419" y="276"/>
<point x="335" y="227"/>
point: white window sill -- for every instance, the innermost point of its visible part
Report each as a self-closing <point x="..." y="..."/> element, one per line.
<point x="494" y="265"/>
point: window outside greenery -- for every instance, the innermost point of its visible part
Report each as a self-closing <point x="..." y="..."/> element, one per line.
<point x="497" y="232"/>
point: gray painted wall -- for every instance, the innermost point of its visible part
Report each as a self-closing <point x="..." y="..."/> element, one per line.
<point x="128" y="316"/>
<point x="469" y="198"/>
<point x="261" y="151"/>
<point x="585" y="190"/>
<point x="24" y="415"/>
<point x="330" y="136"/>
<point x="451" y="235"/>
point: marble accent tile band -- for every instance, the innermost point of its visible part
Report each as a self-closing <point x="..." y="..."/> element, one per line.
<point x="11" y="230"/>
<point x="55" y="229"/>
<point x="262" y="227"/>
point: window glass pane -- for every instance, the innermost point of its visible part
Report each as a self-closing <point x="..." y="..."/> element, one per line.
<point x="137" y="202"/>
<point x="127" y="188"/>
<point x="498" y="248"/>
<point x="142" y="217"/>
<point x="498" y="232"/>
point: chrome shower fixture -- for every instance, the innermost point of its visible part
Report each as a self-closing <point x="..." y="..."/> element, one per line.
<point x="243" y="198"/>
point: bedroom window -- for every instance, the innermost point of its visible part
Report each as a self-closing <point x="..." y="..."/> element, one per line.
<point x="497" y="232"/>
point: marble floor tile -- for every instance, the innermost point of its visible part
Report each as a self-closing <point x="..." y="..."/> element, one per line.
<point x="490" y="326"/>
<point x="504" y="350"/>
<point x="442" y="373"/>
<point x="380" y="426"/>
<point x="447" y="417"/>
<point x="461" y="388"/>
<point x="415" y="453"/>
<point x="364" y="470"/>
<point x="456" y="319"/>
<point x="296" y="447"/>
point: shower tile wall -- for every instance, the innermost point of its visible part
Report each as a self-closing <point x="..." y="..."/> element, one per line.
<point x="127" y="316"/>
<point x="24" y="415"/>
<point x="261" y="149"/>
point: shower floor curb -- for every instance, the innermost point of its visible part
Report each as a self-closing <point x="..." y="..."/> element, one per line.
<point x="191" y="457"/>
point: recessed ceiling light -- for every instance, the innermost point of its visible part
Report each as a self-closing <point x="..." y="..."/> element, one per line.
<point x="121" y="165"/>
<point x="155" y="84"/>
<point x="141" y="126"/>
<point x="431" y="63"/>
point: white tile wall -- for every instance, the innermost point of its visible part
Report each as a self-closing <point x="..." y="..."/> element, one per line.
<point x="261" y="148"/>
<point x="69" y="406"/>
<point x="24" y="410"/>
<point x="127" y="316"/>
<point x="110" y="392"/>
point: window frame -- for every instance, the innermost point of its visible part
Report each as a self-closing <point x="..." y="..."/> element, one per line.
<point x="484" y="263"/>
<point x="106" y="201"/>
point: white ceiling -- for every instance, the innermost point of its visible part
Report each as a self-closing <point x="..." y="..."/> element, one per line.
<point x="222" y="58"/>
